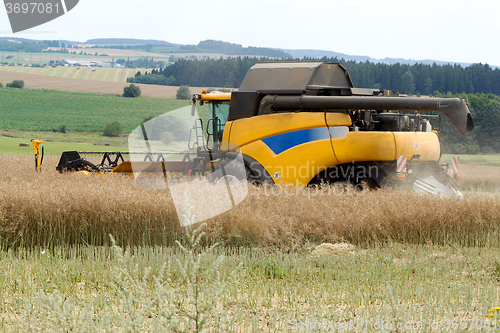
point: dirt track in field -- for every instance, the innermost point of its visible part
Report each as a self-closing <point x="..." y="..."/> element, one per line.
<point x="480" y="170"/>
<point x="33" y="81"/>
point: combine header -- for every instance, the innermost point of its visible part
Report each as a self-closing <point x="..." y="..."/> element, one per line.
<point x="304" y="123"/>
<point x="120" y="162"/>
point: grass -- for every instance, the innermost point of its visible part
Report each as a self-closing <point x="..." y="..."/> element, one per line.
<point x="146" y="289"/>
<point x="83" y="112"/>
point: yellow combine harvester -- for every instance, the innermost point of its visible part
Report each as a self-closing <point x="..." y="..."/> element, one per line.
<point x="304" y="123"/>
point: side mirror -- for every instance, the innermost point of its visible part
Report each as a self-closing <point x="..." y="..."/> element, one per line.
<point x="193" y="109"/>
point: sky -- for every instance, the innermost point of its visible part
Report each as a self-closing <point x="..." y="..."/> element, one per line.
<point x="456" y="31"/>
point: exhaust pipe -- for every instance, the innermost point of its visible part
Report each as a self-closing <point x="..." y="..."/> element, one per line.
<point x="455" y="109"/>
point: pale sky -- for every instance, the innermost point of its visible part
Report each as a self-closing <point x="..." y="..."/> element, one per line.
<point x="458" y="31"/>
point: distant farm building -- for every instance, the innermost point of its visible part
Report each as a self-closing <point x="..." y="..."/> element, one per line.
<point x="83" y="63"/>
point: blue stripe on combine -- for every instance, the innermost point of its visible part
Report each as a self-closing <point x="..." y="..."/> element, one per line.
<point x="281" y="142"/>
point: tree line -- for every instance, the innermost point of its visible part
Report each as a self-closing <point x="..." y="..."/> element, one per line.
<point x="408" y="79"/>
<point x="142" y="62"/>
<point x="27" y="46"/>
<point x="206" y="46"/>
<point x="152" y="77"/>
<point x="235" y="49"/>
<point x="211" y="72"/>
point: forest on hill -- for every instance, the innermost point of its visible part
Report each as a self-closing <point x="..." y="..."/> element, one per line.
<point x="126" y="41"/>
<point x="26" y="46"/>
<point x="485" y="111"/>
<point x="206" y="46"/>
<point x="408" y="79"/>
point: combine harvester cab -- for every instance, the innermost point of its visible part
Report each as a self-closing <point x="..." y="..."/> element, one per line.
<point x="304" y="123"/>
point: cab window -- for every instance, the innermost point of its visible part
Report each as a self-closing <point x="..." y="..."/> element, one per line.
<point x="221" y="111"/>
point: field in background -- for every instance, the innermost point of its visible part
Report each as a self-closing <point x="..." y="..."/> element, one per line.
<point x="492" y="160"/>
<point x="41" y="110"/>
<point x="45" y="57"/>
<point x="157" y="52"/>
<point x="104" y="55"/>
<point x="33" y="81"/>
<point x="479" y="173"/>
<point x="160" y="53"/>
<point x="81" y="73"/>
<point x="55" y="148"/>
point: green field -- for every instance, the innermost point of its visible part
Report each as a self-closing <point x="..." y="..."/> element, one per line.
<point x="41" y="110"/>
<point x="54" y="148"/>
<point x="45" y="57"/>
<point x="82" y="73"/>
